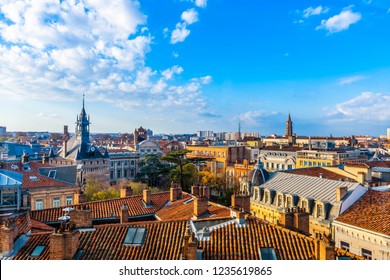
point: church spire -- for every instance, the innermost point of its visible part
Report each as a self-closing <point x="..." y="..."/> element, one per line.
<point x="289" y="129"/>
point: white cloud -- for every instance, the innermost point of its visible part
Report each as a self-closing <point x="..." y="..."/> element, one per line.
<point x="168" y="73"/>
<point x="165" y="32"/>
<point x="350" y="80"/>
<point x="190" y="16"/>
<point x="56" y="50"/>
<point x="201" y="3"/>
<point x="367" y="106"/>
<point x="314" y="11"/>
<point x="180" y="33"/>
<point x="253" y="118"/>
<point x="341" y="21"/>
<point x="44" y="115"/>
<point x="175" y="54"/>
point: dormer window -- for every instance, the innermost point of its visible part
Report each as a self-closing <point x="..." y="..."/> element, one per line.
<point x="266" y="197"/>
<point x="288" y="202"/>
<point x="280" y="200"/>
<point x="52" y="174"/>
<point x="320" y="211"/>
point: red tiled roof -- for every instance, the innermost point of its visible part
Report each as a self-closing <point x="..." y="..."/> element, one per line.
<point x="284" y="148"/>
<point x="163" y="241"/>
<point x="243" y="243"/>
<point x="41" y="181"/>
<point x="371" y="212"/>
<point x="178" y="210"/>
<point x="39" y="227"/>
<point x="107" y="208"/>
<point x="369" y="164"/>
<point x="344" y="253"/>
<point x="317" y="171"/>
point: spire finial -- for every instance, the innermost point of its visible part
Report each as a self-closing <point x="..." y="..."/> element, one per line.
<point x="83" y="100"/>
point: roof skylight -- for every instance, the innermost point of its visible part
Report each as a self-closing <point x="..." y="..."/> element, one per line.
<point x="135" y="237"/>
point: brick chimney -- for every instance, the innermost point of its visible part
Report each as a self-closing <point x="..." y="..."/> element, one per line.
<point x="195" y="190"/>
<point x="190" y="247"/>
<point x="147" y="197"/>
<point x="340" y="193"/>
<point x="241" y="201"/>
<point x="124" y="214"/>
<point x="81" y="218"/>
<point x="301" y="221"/>
<point x="8" y="233"/>
<point x="64" y="244"/>
<point x="126" y="191"/>
<point x="324" y="249"/>
<point x="287" y="218"/>
<point x="204" y="191"/>
<point x="201" y="202"/>
<point x="79" y="197"/>
<point x="25" y="157"/>
<point x="45" y="159"/>
<point x="174" y="192"/>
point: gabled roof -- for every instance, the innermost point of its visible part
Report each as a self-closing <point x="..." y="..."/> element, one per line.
<point x="371" y="212"/>
<point x="32" y="178"/>
<point x="104" y="209"/>
<point x="184" y="209"/>
<point x="243" y="243"/>
<point x="163" y="241"/>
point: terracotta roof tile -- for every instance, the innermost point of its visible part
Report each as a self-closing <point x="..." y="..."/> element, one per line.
<point x="41" y="181"/>
<point x="107" y="208"/>
<point x="163" y="241"/>
<point x="244" y="243"/>
<point x="179" y="210"/>
<point x="371" y="212"/>
<point x="317" y="171"/>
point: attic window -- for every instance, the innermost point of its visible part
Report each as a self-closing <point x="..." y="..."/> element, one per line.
<point x="33" y="178"/>
<point x="52" y="174"/>
<point x="135" y="237"/>
<point x="188" y="201"/>
<point x="37" y="251"/>
<point x="267" y="253"/>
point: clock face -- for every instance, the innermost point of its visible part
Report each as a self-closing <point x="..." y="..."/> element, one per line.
<point x="93" y="149"/>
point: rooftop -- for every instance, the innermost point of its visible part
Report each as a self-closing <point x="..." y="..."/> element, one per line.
<point x="371" y="212"/>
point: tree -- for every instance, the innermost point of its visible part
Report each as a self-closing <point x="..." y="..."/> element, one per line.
<point x="178" y="160"/>
<point x="152" y="171"/>
<point x="190" y="175"/>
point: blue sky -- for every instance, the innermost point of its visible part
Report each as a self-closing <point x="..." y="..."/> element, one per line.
<point x="178" y="66"/>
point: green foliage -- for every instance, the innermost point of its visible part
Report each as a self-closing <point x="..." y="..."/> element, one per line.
<point x="153" y="172"/>
<point x="97" y="189"/>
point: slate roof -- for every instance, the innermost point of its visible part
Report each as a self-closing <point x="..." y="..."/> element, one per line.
<point x="104" y="209"/>
<point x="306" y="186"/>
<point x="371" y="212"/>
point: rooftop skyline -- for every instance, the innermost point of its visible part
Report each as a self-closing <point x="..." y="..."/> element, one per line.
<point x="189" y="65"/>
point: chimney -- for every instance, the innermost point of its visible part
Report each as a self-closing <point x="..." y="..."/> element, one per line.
<point x="81" y="218"/>
<point x="239" y="215"/>
<point x="201" y="205"/>
<point x="360" y="177"/>
<point x="45" y="159"/>
<point x="124" y="214"/>
<point x="174" y="192"/>
<point x="287" y="219"/>
<point x="204" y="191"/>
<point x="147" y="197"/>
<point x="324" y="249"/>
<point x="241" y="201"/>
<point x="301" y="221"/>
<point x="195" y="190"/>
<point x="25" y="157"/>
<point x="340" y="193"/>
<point x="8" y="233"/>
<point x="79" y="197"/>
<point x="320" y="175"/>
<point x="26" y="198"/>
<point x="190" y="247"/>
<point x="64" y="244"/>
<point x="126" y="191"/>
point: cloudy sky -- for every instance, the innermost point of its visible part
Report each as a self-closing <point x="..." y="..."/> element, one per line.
<point x="178" y="66"/>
